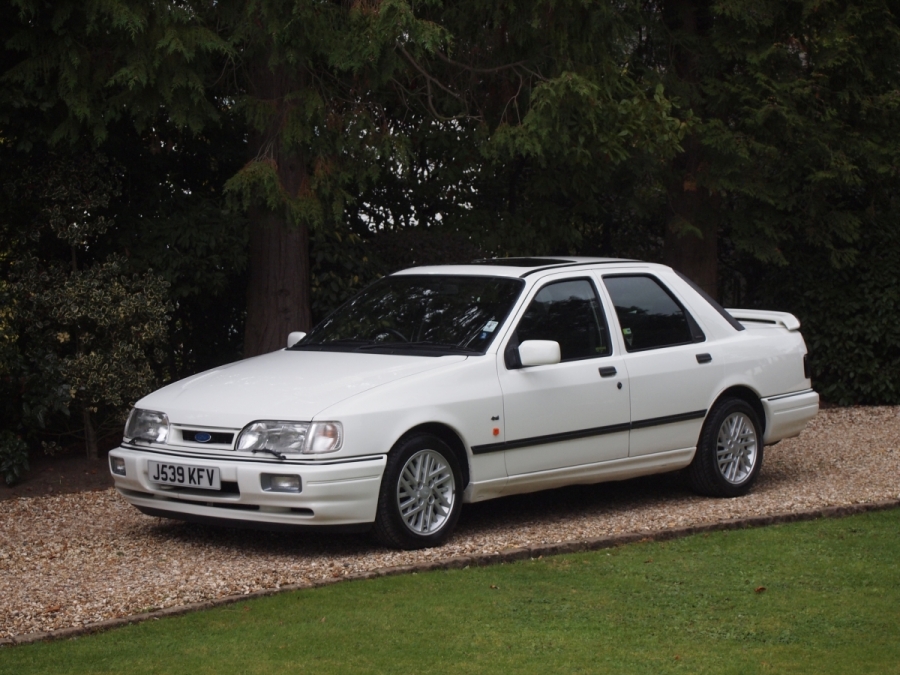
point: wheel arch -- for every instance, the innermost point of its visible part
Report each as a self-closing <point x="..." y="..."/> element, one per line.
<point x="750" y="398"/>
<point x="453" y="441"/>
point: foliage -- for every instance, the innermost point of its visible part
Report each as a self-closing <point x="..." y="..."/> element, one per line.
<point x="13" y="457"/>
<point x="333" y="94"/>
<point x="82" y="337"/>
<point x="850" y="316"/>
<point x="99" y="329"/>
<point x="803" y="133"/>
<point x="102" y="59"/>
<point x="341" y="266"/>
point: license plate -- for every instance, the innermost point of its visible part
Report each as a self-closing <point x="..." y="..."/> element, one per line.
<point x="203" y="477"/>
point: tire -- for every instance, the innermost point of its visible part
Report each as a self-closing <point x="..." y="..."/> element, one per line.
<point x="730" y="451"/>
<point x="416" y="510"/>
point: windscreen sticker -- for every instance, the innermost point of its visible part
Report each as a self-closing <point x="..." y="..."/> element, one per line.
<point x="490" y="326"/>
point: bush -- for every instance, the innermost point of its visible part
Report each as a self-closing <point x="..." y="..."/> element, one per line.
<point x="850" y="316"/>
<point x="13" y="457"/>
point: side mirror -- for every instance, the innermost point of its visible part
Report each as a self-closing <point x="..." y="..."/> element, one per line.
<point x="294" y="337"/>
<point x="539" y="352"/>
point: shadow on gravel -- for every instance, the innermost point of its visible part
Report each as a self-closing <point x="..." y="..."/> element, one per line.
<point x="483" y="518"/>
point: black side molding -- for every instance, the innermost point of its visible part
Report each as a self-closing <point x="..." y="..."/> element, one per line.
<point x="587" y="433"/>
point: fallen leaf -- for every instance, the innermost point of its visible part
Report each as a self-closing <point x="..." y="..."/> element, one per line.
<point x="759" y="589"/>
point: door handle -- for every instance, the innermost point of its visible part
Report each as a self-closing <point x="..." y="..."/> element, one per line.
<point x="704" y="358"/>
<point x="609" y="371"/>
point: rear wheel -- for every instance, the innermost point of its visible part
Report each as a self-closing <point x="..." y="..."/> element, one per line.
<point x="420" y="499"/>
<point x="730" y="451"/>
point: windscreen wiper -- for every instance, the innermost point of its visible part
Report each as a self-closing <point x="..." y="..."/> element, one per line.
<point x="269" y="450"/>
<point x="426" y="344"/>
<point x="320" y="346"/>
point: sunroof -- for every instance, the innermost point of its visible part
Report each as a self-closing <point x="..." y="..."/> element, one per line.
<point x="522" y="262"/>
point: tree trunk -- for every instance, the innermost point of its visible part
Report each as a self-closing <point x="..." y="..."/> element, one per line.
<point x="278" y="287"/>
<point x="691" y="237"/>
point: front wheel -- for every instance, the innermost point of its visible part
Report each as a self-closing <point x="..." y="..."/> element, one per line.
<point x="420" y="500"/>
<point x="729" y="452"/>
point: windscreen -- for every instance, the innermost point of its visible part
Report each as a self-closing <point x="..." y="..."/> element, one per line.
<point x="419" y="314"/>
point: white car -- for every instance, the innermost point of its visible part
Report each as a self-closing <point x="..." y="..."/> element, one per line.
<point x="441" y="385"/>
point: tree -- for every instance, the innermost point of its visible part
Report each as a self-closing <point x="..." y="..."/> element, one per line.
<point x="330" y="93"/>
<point x="795" y="109"/>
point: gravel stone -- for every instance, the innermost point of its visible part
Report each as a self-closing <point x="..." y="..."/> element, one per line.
<point x="75" y="560"/>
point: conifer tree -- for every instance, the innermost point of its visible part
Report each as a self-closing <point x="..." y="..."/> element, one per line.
<point x="333" y="95"/>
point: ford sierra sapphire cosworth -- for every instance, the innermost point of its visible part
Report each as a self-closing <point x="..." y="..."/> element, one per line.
<point x="441" y="385"/>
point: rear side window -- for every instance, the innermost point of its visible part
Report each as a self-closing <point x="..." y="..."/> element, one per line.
<point x="569" y="313"/>
<point x="737" y="325"/>
<point x="649" y="315"/>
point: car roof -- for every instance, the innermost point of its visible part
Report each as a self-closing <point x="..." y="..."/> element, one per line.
<point x="518" y="267"/>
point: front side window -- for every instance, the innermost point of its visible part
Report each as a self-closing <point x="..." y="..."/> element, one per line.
<point x="567" y="312"/>
<point x="418" y="314"/>
<point x="649" y="316"/>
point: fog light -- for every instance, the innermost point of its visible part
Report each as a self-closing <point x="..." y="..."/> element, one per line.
<point x="117" y="465"/>
<point x="280" y="483"/>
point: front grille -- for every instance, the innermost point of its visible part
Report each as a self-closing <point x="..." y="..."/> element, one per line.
<point x="200" y="437"/>
<point x="218" y="437"/>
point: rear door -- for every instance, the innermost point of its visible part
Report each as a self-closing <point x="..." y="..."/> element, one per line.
<point x="672" y="368"/>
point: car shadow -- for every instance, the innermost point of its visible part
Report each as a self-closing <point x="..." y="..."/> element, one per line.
<point x="480" y="519"/>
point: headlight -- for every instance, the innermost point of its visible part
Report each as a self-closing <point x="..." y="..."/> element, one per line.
<point x="147" y="425"/>
<point x="294" y="437"/>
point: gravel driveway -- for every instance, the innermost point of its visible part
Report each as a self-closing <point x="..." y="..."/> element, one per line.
<point x="77" y="559"/>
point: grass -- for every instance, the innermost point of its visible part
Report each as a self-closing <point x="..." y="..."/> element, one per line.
<point x="817" y="597"/>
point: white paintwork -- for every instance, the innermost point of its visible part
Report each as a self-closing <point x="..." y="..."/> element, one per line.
<point x="379" y="397"/>
<point x="598" y="472"/>
<point x="752" y="318"/>
<point x="336" y="494"/>
<point x="560" y="398"/>
<point x="539" y="353"/>
<point x="281" y="385"/>
<point x="787" y="416"/>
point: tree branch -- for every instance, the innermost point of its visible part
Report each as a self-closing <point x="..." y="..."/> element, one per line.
<point x="427" y="75"/>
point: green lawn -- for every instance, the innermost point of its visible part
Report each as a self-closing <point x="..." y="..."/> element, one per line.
<point x="816" y="597"/>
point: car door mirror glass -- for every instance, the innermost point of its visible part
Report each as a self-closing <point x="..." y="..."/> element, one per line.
<point x="539" y="353"/>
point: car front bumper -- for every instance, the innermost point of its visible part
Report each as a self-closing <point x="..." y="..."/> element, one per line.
<point x="332" y="494"/>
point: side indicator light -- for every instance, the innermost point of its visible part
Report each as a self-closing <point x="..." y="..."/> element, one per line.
<point x="117" y="465"/>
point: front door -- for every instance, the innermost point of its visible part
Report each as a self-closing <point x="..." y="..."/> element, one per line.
<point x="571" y="413"/>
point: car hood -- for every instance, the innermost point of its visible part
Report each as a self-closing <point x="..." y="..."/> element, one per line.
<point x="282" y="385"/>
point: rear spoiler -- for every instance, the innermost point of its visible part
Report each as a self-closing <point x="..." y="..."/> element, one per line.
<point x="751" y="316"/>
